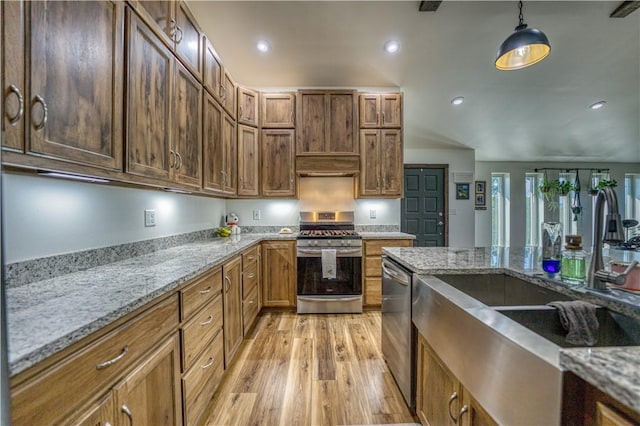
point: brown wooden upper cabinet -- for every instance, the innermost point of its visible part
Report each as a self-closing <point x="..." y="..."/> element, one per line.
<point x="277" y="152"/>
<point x="220" y="149"/>
<point x="177" y="27"/>
<point x="71" y="112"/>
<point x="381" y="166"/>
<point x="277" y="110"/>
<point x="163" y="111"/>
<point x="380" y="110"/>
<point x="248" y="161"/>
<point x="327" y="122"/>
<point x="218" y="81"/>
<point x="247" y="106"/>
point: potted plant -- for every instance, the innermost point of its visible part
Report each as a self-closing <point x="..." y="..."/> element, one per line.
<point x="601" y="184"/>
<point x="564" y="187"/>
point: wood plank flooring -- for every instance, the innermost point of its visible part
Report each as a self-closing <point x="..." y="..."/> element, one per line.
<point x="310" y="370"/>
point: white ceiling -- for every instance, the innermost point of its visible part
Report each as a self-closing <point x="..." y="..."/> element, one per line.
<point x="536" y="114"/>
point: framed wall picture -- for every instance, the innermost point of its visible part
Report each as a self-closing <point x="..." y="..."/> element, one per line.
<point x="480" y="200"/>
<point x="480" y="187"/>
<point x="462" y="191"/>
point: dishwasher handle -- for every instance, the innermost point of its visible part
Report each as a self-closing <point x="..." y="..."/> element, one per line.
<point x="398" y="276"/>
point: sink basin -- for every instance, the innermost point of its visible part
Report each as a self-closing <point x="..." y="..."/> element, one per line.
<point x="502" y="290"/>
<point x="614" y="329"/>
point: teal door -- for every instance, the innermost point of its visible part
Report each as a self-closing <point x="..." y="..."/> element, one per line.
<point x="423" y="206"/>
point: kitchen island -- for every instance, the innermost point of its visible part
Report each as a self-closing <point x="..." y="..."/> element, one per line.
<point x="611" y="370"/>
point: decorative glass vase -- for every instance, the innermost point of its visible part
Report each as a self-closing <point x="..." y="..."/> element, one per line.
<point x="551" y="247"/>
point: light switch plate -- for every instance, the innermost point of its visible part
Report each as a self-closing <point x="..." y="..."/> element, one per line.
<point x="372" y="214"/>
<point x="149" y="218"/>
<point x="256" y="215"/>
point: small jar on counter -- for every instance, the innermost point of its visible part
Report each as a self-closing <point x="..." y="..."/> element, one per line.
<point x="573" y="267"/>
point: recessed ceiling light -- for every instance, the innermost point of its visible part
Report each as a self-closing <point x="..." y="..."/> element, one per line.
<point x="597" y="105"/>
<point x="263" y="46"/>
<point x="458" y="100"/>
<point x="392" y="46"/>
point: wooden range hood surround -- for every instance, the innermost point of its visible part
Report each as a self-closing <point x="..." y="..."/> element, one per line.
<point x="328" y="165"/>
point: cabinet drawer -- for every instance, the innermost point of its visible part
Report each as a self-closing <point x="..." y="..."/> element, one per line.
<point x="199" y="330"/>
<point x="249" y="280"/>
<point x="250" y="258"/>
<point x="373" y="291"/>
<point x="52" y="395"/>
<point x="201" y="381"/>
<point x="200" y="292"/>
<point x="373" y="266"/>
<point x="250" y="309"/>
<point x="374" y="247"/>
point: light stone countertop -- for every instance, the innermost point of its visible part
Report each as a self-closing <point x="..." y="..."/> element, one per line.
<point x="614" y="370"/>
<point x="45" y="317"/>
<point x="387" y="236"/>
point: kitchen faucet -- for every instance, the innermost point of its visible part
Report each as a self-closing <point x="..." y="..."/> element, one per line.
<point x="598" y="276"/>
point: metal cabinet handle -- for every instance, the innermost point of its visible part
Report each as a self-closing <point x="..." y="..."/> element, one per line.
<point x="378" y="182"/>
<point x="464" y="409"/>
<point x="228" y="281"/>
<point x="240" y="108"/>
<point x="107" y="424"/>
<point x="384" y="182"/>
<point x="377" y="117"/>
<point x="208" y="364"/>
<point x="291" y="116"/>
<point x="208" y="321"/>
<point x="105" y="364"/>
<point x="172" y="161"/>
<point x="127" y="411"/>
<point x="251" y="275"/>
<point x="179" y="33"/>
<point x="383" y="118"/>
<point x="38" y="100"/>
<point x="173" y="25"/>
<point x="179" y="161"/>
<point x="223" y="92"/>
<point x="250" y="257"/>
<point x="206" y="290"/>
<point x="14" y="89"/>
<point x="453" y="397"/>
<point x="251" y="302"/>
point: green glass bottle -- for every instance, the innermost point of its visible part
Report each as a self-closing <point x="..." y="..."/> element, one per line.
<point x="573" y="269"/>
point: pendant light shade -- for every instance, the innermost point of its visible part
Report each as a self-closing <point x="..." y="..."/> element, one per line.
<point x="523" y="48"/>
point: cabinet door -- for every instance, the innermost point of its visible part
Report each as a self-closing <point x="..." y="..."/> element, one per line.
<point x="342" y="136"/>
<point x="76" y="81"/>
<point x="187" y="142"/>
<point x="278" y="110"/>
<point x="212" y="77"/>
<point x="247" y="107"/>
<point x="279" y="273"/>
<point x="248" y="161"/>
<point x="232" y="301"/>
<point x="149" y="85"/>
<point x="229" y="94"/>
<point x="438" y="399"/>
<point x="158" y="14"/>
<point x="312" y="124"/>
<point x="277" y="172"/>
<point x="188" y="39"/>
<point x="391" y="107"/>
<point x="391" y="162"/>
<point x="101" y="413"/>
<point x="213" y="146"/>
<point x="13" y="78"/>
<point x="150" y="394"/>
<point x="229" y="142"/>
<point x="369" y="110"/>
<point x="370" y="163"/>
<point x="472" y="413"/>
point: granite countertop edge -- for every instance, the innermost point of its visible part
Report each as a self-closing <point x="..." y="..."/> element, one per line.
<point x="386" y="236"/>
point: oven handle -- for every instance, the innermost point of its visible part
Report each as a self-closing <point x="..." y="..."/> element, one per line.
<point x="397" y="276"/>
<point x="339" y="253"/>
<point x="327" y="299"/>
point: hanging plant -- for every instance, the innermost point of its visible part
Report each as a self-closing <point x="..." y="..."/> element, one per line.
<point x="564" y="187"/>
<point x="606" y="182"/>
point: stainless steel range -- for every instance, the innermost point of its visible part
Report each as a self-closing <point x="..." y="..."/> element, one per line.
<point x="329" y="263"/>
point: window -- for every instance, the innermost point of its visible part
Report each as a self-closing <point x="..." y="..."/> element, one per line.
<point x="632" y="201"/>
<point x="500" y="206"/>
<point x="534" y="209"/>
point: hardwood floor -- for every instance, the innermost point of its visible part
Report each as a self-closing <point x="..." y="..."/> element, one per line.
<point x="310" y="370"/>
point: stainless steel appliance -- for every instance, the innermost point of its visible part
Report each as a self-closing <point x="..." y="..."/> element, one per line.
<point x="329" y="231"/>
<point x="398" y="332"/>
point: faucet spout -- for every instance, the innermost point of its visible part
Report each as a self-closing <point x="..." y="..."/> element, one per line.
<point x="612" y="233"/>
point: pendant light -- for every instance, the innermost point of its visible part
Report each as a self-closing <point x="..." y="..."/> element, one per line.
<point x="523" y="48"/>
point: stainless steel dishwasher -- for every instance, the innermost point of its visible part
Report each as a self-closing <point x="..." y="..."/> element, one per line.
<point x="398" y="332"/>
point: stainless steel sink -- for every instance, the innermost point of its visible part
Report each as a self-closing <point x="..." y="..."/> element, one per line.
<point x="502" y="290"/>
<point x="614" y="329"/>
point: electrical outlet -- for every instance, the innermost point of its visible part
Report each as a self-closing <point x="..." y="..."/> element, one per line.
<point x="149" y="218"/>
<point x="256" y="215"/>
<point x="372" y="214"/>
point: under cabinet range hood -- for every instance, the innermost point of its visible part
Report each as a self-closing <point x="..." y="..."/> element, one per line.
<point x="328" y="165"/>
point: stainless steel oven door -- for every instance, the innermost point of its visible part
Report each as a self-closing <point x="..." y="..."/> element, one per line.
<point x="348" y="280"/>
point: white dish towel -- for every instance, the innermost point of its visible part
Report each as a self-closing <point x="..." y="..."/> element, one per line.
<point x="328" y="263"/>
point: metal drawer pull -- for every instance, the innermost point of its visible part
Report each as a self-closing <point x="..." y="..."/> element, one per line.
<point x="127" y="411"/>
<point x="453" y="397"/>
<point x="291" y="116"/>
<point x="178" y="32"/>
<point x="251" y="275"/>
<point x="210" y="363"/>
<point x="14" y="89"/>
<point x="465" y="409"/>
<point x="226" y="278"/>
<point x="250" y="257"/>
<point x="38" y="100"/>
<point x="179" y="160"/>
<point x="107" y="424"/>
<point x="208" y="321"/>
<point x="114" y="360"/>
<point x="172" y="161"/>
<point x="206" y="290"/>
<point x="383" y="117"/>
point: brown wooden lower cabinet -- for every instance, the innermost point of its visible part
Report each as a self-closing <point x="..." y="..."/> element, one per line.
<point x="441" y="399"/>
<point x="232" y="302"/>
<point x="599" y="409"/>
<point x="372" y="269"/>
<point x="279" y="277"/>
